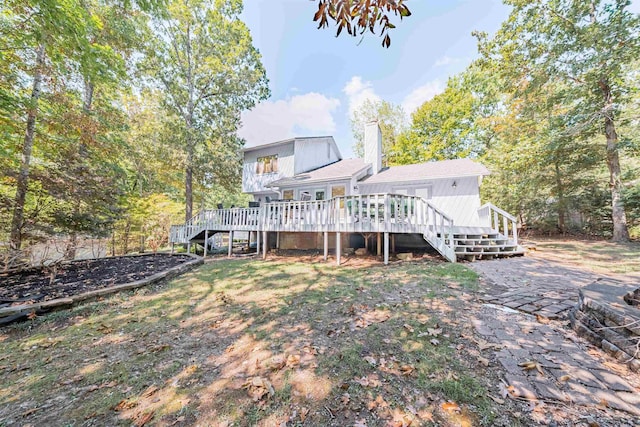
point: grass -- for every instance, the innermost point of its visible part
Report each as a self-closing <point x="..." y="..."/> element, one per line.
<point x="336" y="344"/>
<point x="597" y="255"/>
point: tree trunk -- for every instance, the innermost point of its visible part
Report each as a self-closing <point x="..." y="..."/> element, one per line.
<point x="17" y="222"/>
<point x="85" y="137"/>
<point x="188" y="184"/>
<point x="620" y="231"/>
<point x="562" y="205"/>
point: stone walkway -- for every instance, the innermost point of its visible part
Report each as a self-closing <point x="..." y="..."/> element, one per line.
<point x="544" y="360"/>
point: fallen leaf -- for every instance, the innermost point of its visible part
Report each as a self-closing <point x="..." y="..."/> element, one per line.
<point x="531" y="365"/>
<point x="142" y="420"/>
<point x="496" y="399"/>
<point x="29" y="412"/>
<point x="258" y="387"/>
<point x="125" y="404"/>
<point x="75" y="379"/>
<point x="603" y="404"/>
<point x="542" y="319"/>
<point x="32" y="315"/>
<point x="507" y="390"/>
<point x="434" y="332"/>
<point x="483" y="361"/>
<point x="293" y="360"/>
<point x="564" y="378"/>
<point x="275" y="363"/>
<point x="149" y="391"/>
<point x="303" y="413"/>
<point x="434" y="341"/>
<point x="450" y="407"/>
<point x="360" y="423"/>
<point x="408" y="327"/>
<point x="371" y="360"/>
<point x="345" y="398"/>
<point x="407" y="369"/>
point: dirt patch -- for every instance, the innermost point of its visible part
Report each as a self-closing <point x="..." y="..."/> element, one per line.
<point x="77" y="277"/>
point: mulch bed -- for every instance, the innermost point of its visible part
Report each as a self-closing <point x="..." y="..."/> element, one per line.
<point x="77" y="277"/>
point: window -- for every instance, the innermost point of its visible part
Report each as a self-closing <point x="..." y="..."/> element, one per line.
<point x="287" y="194"/>
<point x="338" y="190"/>
<point x="319" y="194"/>
<point x="267" y="164"/>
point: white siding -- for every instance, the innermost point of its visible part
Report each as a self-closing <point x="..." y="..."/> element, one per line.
<point x="373" y="146"/>
<point x="313" y="153"/>
<point x="460" y="203"/>
<point x="254" y="183"/>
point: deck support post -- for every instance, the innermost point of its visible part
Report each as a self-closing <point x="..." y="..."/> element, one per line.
<point x="206" y="240"/>
<point x="379" y="245"/>
<point x="393" y="243"/>
<point x="173" y="247"/>
<point x="258" y="242"/>
<point x="265" y="244"/>
<point x="338" y="248"/>
<point x="326" y="245"/>
<point x="277" y="240"/>
<point x="230" y="243"/>
<point x="189" y="247"/>
<point x="386" y="247"/>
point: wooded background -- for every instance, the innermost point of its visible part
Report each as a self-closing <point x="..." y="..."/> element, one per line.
<point x="119" y="118"/>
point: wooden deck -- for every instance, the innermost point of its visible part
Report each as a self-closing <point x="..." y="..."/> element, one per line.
<point x="374" y="213"/>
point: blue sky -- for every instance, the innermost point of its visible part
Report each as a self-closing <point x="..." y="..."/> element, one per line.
<point x="317" y="79"/>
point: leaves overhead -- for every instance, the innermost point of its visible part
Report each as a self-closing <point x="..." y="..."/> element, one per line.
<point x="360" y="16"/>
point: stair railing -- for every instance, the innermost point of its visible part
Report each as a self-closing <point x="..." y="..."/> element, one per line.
<point x="499" y="220"/>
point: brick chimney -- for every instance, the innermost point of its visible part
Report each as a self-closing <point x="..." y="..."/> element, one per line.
<point x="373" y="146"/>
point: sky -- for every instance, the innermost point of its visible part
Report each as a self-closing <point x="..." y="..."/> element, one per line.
<point x="317" y="80"/>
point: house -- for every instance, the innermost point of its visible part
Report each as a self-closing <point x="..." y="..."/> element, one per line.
<point x="299" y="169"/>
<point x="310" y="197"/>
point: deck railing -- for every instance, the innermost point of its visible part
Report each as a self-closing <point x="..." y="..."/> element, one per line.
<point x="370" y="213"/>
<point x="499" y="220"/>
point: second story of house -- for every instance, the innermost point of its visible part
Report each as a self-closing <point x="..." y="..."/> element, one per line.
<point x="267" y="163"/>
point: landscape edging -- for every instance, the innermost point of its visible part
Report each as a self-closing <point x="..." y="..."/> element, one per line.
<point x="68" y="301"/>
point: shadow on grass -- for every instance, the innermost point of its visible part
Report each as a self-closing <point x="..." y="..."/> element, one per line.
<point x="247" y="342"/>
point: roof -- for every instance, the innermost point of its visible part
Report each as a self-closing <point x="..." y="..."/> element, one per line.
<point x="342" y="169"/>
<point x="431" y="170"/>
<point x="287" y="141"/>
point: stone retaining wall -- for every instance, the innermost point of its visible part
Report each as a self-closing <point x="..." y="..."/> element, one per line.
<point x="604" y="317"/>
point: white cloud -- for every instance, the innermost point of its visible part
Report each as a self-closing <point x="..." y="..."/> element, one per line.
<point x="358" y="92"/>
<point x="445" y="60"/>
<point x="270" y="121"/>
<point x="421" y="94"/>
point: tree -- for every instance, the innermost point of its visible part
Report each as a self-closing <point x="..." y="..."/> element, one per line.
<point x="442" y="128"/>
<point x="456" y="123"/>
<point x="391" y="119"/>
<point x="358" y="16"/>
<point x="584" y="46"/>
<point x="39" y="36"/>
<point x="210" y="72"/>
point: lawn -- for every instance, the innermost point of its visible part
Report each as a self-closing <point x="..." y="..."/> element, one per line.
<point x="600" y="256"/>
<point x="251" y="342"/>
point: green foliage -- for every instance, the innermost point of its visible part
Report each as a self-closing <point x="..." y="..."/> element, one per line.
<point x="204" y="60"/>
<point x="569" y="59"/>
<point x="110" y="149"/>
<point x="441" y="128"/>
<point x="391" y="119"/>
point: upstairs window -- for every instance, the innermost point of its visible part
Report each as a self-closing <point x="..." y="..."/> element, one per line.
<point x="267" y="164"/>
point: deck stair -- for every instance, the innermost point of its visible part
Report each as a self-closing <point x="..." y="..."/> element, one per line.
<point x="476" y="243"/>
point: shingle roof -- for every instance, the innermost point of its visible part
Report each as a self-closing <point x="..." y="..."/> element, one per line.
<point x="430" y="170"/>
<point x="342" y="169"/>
